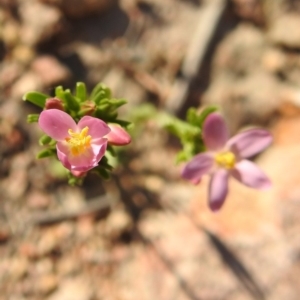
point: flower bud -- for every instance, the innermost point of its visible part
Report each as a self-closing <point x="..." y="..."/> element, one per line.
<point x="54" y="103"/>
<point x="118" y="136"/>
<point x="87" y="108"/>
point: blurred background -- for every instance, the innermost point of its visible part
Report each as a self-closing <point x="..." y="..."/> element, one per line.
<point x="147" y="234"/>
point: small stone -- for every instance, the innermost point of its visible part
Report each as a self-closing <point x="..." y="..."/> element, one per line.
<point x="285" y="31"/>
<point x="50" y="70"/>
<point x="250" y="10"/>
<point x="17" y="268"/>
<point x="286" y="131"/>
<point x="47" y="243"/>
<point x="4" y="235"/>
<point x="240" y="51"/>
<point x="43" y="267"/>
<point x="9" y="72"/>
<point x="38" y="200"/>
<point x="85" y="227"/>
<point x="72" y="198"/>
<point x="46" y="284"/>
<point x="82" y="8"/>
<point x="29" y="81"/>
<point x="40" y="22"/>
<point x="10" y="33"/>
<point x="23" y="54"/>
<point x="16" y="184"/>
<point x="91" y="55"/>
<point x="64" y="230"/>
<point x="117" y="222"/>
<point x="28" y="250"/>
<point x="290" y="96"/>
<point x="67" y="266"/>
<point x="273" y="60"/>
<point x="154" y="183"/>
<point x="12" y="138"/>
<point x="73" y="289"/>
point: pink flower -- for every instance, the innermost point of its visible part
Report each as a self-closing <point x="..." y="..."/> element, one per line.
<point x="80" y="146"/>
<point x="226" y="157"/>
<point x="118" y="136"/>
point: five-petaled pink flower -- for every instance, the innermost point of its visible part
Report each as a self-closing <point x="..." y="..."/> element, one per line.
<point x="80" y="146"/>
<point x="226" y="157"/>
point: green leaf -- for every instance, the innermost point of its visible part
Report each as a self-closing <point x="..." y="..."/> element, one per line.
<point x="181" y="157"/>
<point x="193" y="117"/>
<point x="181" y="129"/>
<point x="84" y="112"/>
<point x="45" y="140"/>
<point x="102" y="173"/>
<point x="103" y="107"/>
<point x="39" y="99"/>
<point x="116" y="103"/>
<point x="101" y="87"/>
<point x="81" y="91"/>
<point x="32" y="118"/>
<point x="100" y="97"/>
<point x="111" y="150"/>
<point x="45" y="153"/>
<point x="205" y="112"/>
<point x="73" y="180"/>
<point x="103" y="164"/>
<point x="197" y="118"/>
<point x="59" y="93"/>
<point x="111" y="116"/>
<point x="143" y="113"/>
<point x="71" y="101"/>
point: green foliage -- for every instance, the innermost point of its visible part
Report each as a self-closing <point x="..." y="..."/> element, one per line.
<point x="188" y="131"/>
<point x="46" y="153"/>
<point x="45" y="140"/>
<point x="73" y="180"/>
<point x="32" y="118"/>
<point x="99" y="103"/>
<point x="100" y="91"/>
<point x="71" y="102"/>
<point x="36" y="98"/>
<point x="197" y="119"/>
<point x="80" y="91"/>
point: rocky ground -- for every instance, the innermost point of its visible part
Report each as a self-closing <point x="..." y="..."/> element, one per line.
<point x="147" y="234"/>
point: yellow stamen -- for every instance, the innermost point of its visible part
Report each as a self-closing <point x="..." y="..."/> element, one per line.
<point x="78" y="141"/>
<point x="225" y="159"/>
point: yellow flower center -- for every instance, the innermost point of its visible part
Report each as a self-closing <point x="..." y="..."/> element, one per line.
<point x="225" y="160"/>
<point x="78" y="141"/>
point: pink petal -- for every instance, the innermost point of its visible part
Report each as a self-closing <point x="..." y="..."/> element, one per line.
<point x="195" y="181"/>
<point x="250" y="142"/>
<point x="118" y="136"/>
<point x="197" y="167"/>
<point x="99" y="148"/>
<point x="215" y="132"/>
<point x="250" y="175"/>
<point x="97" y="128"/>
<point x="78" y="173"/>
<point x="78" y="163"/>
<point x="218" y="189"/>
<point x="56" y="123"/>
<point x="83" y="162"/>
<point x="83" y="169"/>
<point x="62" y="152"/>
